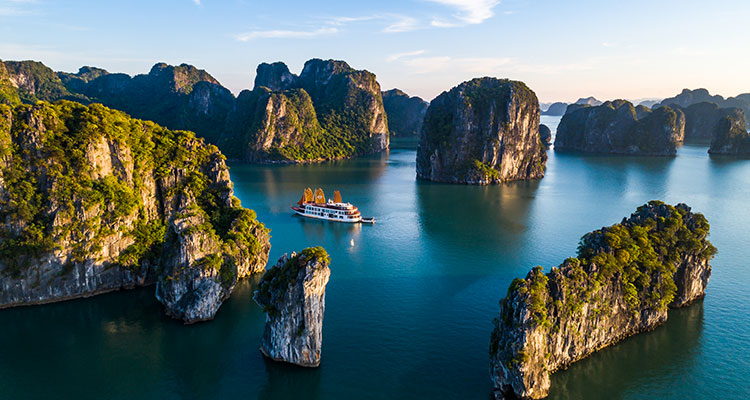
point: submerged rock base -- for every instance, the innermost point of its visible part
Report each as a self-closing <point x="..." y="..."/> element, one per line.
<point x="292" y="294"/>
<point x="622" y="282"/>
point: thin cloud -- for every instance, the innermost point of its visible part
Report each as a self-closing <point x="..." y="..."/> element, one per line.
<point x="398" y="56"/>
<point x="347" y="20"/>
<point x="197" y="2"/>
<point x="402" y="24"/>
<point x="394" y="23"/>
<point x="285" y="34"/>
<point x="469" y="12"/>
<point x="439" y="23"/>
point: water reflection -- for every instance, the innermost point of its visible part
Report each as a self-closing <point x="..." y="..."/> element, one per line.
<point x="670" y="350"/>
<point x="409" y="306"/>
<point x="487" y="216"/>
<point x="285" y="381"/>
<point x="341" y="233"/>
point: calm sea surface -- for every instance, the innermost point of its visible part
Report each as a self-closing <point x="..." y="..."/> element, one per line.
<point x="411" y="299"/>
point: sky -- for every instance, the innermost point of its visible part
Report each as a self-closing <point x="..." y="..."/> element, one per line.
<point x="562" y="50"/>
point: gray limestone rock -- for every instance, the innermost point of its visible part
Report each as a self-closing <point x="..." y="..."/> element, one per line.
<point x="293" y="295"/>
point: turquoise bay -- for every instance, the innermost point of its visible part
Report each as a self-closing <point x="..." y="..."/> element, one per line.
<point x="411" y="299"/>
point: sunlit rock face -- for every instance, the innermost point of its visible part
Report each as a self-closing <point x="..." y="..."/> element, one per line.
<point x="622" y="282"/>
<point x="293" y="295"/>
<point x="483" y="131"/>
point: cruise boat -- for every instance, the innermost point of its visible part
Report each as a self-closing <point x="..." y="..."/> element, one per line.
<point x="314" y="205"/>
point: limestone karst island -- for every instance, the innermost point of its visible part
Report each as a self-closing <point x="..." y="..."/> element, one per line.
<point x="418" y="199"/>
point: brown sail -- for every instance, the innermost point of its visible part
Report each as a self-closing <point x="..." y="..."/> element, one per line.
<point x="309" y="196"/>
<point x="336" y="196"/>
<point x="320" y="197"/>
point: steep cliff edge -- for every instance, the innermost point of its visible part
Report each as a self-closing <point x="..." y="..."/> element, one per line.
<point x="730" y="136"/>
<point x="405" y="113"/>
<point x="35" y="81"/>
<point x="330" y="111"/>
<point x="702" y="121"/>
<point x="617" y="127"/>
<point x="269" y="127"/>
<point x="483" y="131"/>
<point x="292" y="293"/>
<point x="176" y="96"/>
<point x="92" y="201"/>
<point x="621" y="283"/>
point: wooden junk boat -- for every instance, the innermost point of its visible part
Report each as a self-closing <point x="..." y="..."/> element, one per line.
<point x="315" y="206"/>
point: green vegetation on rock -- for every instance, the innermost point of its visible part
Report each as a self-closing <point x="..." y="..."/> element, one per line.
<point x="621" y="282"/>
<point x="640" y="256"/>
<point x="60" y="194"/>
<point x="482" y="131"/>
<point x="285" y="275"/>
<point x="344" y="118"/>
<point x="331" y="111"/>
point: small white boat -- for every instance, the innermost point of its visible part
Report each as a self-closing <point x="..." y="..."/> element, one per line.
<point x="315" y="206"/>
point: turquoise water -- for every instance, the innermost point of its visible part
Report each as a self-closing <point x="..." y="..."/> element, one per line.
<point x="411" y="299"/>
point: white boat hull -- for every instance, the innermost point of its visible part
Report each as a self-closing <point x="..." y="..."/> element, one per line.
<point x="327" y="218"/>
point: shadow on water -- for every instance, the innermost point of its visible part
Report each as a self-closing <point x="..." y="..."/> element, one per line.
<point x="125" y="335"/>
<point x="481" y="218"/>
<point x="613" y="372"/>
<point x="279" y="180"/>
<point x="285" y="381"/>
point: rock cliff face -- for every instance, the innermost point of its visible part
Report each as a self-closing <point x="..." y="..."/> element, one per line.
<point x="348" y="103"/>
<point x="617" y="127"/>
<point x="340" y="114"/>
<point x="702" y="119"/>
<point x="93" y="201"/>
<point x="35" y="81"/>
<point x="293" y="295"/>
<point x="545" y="135"/>
<point x="276" y="77"/>
<point x="483" y="131"/>
<point x="556" y="109"/>
<point x="178" y="97"/>
<point x="330" y="111"/>
<point x="275" y="127"/>
<point x="623" y="281"/>
<point x="78" y="82"/>
<point x="730" y="136"/>
<point x="405" y="114"/>
<point x="690" y="97"/>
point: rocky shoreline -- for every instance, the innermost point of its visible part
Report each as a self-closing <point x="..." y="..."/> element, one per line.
<point x="622" y="282"/>
<point x="112" y="222"/>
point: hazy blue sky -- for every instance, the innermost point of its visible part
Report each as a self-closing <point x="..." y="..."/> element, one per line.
<point x="562" y="49"/>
